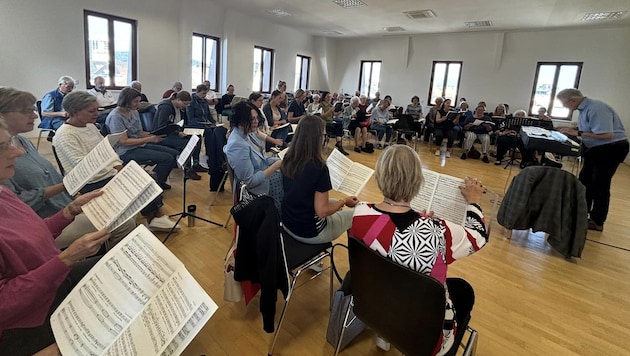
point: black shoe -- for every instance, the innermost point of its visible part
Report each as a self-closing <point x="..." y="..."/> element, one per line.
<point x="192" y="175"/>
<point x="340" y="148"/>
<point x="464" y="155"/>
<point x="357" y="150"/>
<point x="165" y="186"/>
<point x="367" y="150"/>
<point x="485" y="159"/>
<point x="592" y="225"/>
<point x="200" y="169"/>
<point x="51" y="134"/>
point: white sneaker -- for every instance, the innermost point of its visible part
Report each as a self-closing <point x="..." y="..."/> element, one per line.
<point x="437" y="152"/>
<point x="448" y="154"/>
<point x="381" y="343"/>
<point x="163" y="224"/>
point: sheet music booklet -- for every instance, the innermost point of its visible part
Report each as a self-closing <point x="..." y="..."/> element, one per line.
<point x="440" y="193"/>
<point x="346" y="176"/>
<point x="123" y="197"/>
<point x="139" y="299"/>
<point x="99" y="158"/>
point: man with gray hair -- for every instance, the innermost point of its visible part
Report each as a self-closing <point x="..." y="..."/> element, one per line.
<point x="104" y="98"/>
<point x="177" y="87"/>
<point x="604" y="147"/>
<point x="53" y="114"/>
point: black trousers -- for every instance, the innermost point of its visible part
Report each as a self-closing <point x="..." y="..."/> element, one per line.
<point x="600" y="164"/>
<point x="27" y="341"/>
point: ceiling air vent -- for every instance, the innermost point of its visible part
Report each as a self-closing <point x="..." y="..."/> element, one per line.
<point x="419" y="14"/>
<point x="472" y="24"/>
<point x="596" y="16"/>
<point x="333" y="33"/>
<point x="394" y="29"/>
<point x="350" y="4"/>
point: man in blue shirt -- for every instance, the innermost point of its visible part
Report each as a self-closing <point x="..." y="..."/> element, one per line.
<point x="53" y="114"/>
<point x="604" y="147"/>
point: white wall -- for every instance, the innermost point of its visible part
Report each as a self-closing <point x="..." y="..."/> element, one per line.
<point x="497" y="67"/>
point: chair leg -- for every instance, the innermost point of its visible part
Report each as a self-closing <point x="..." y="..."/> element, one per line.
<point x="471" y="345"/>
<point x="282" y="314"/>
<point x="223" y="180"/>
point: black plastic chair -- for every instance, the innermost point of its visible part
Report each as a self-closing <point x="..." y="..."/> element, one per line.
<point x="403" y="127"/>
<point x="298" y="258"/>
<point x="403" y="306"/>
<point x="42" y="130"/>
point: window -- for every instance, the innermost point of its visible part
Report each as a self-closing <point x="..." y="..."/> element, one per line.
<point x="302" y="70"/>
<point x="445" y="77"/>
<point x="205" y="60"/>
<point x="369" y="77"/>
<point x="551" y="77"/>
<point x="110" y="49"/>
<point x="263" y="64"/>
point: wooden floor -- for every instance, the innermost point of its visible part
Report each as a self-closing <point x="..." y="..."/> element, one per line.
<point x="529" y="299"/>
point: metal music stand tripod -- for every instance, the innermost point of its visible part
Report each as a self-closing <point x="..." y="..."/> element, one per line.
<point x="185" y="212"/>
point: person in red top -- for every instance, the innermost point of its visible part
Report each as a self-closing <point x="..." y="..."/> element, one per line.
<point x="415" y="239"/>
<point x="35" y="275"/>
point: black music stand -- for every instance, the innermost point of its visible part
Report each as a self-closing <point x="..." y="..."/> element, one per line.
<point x="184" y="213"/>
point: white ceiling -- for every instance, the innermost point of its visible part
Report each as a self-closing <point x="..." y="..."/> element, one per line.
<point x="319" y="17"/>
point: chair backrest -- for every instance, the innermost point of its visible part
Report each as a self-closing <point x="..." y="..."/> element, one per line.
<point x="403" y="306"/>
<point x="405" y="122"/>
<point x="39" y="108"/>
<point x="146" y="119"/>
<point x="61" y="170"/>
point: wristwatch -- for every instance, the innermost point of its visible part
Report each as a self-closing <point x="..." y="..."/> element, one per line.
<point x="580" y="133"/>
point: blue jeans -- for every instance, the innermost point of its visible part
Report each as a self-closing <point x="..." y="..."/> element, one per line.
<point x="383" y="130"/>
<point x="163" y="157"/>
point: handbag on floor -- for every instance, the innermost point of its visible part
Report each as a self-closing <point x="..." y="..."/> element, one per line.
<point x="232" y="290"/>
<point x="342" y="301"/>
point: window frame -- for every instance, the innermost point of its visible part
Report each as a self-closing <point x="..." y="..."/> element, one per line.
<point x="111" y="48"/>
<point x="262" y="64"/>
<point x="308" y="71"/>
<point x="215" y="81"/>
<point x="372" y="61"/>
<point x="554" y="87"/>
<point x="459" y="79"/>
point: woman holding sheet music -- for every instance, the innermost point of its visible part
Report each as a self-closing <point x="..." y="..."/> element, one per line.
<point x="35" y="181"/>
<point x="35" y="275"/>
<point x="307" y="213"/>
<point x="445" y="126"/>
<point x="418" y="240"/>
<point x="245" y="154"/>
<point x="78" y="136"/>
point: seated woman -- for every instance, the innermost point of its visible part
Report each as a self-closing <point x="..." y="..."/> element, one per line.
<point x="378" y="122"/>
<point x="445" y="126"/>
<point x="276" y="117"/>
<point x="263" y="132"/>
<point x="246" y="156"/>
<point x="414" y="109"/>
<point x="137" y="144"/>
<point x="313" y="107"/>
<point x="509" y="139"/>
<point x="78" y="136"/>
<point x="415" y="239"/>
<point x="333" y="128"/>
<point x="224" y="107"/>
<point x="308" y="215"/>
<point x="429" y="124"/>
<point x="35" y="276"/>
<point x="35" y="181"/>
<point x="480" y="131"/>
<point x="169" y="112"/>
<point x="358" y="125"/>
<point x="296" y="110"/>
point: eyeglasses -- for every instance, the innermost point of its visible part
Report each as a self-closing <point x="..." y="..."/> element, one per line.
<point x="26" y="111"/>
<point x="14" y="142"/>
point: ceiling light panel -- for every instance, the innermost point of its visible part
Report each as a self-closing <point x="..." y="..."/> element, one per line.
<point x="278" y="12"/>
<point x="420" y="14"/>
<point x="472" y="24"/>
